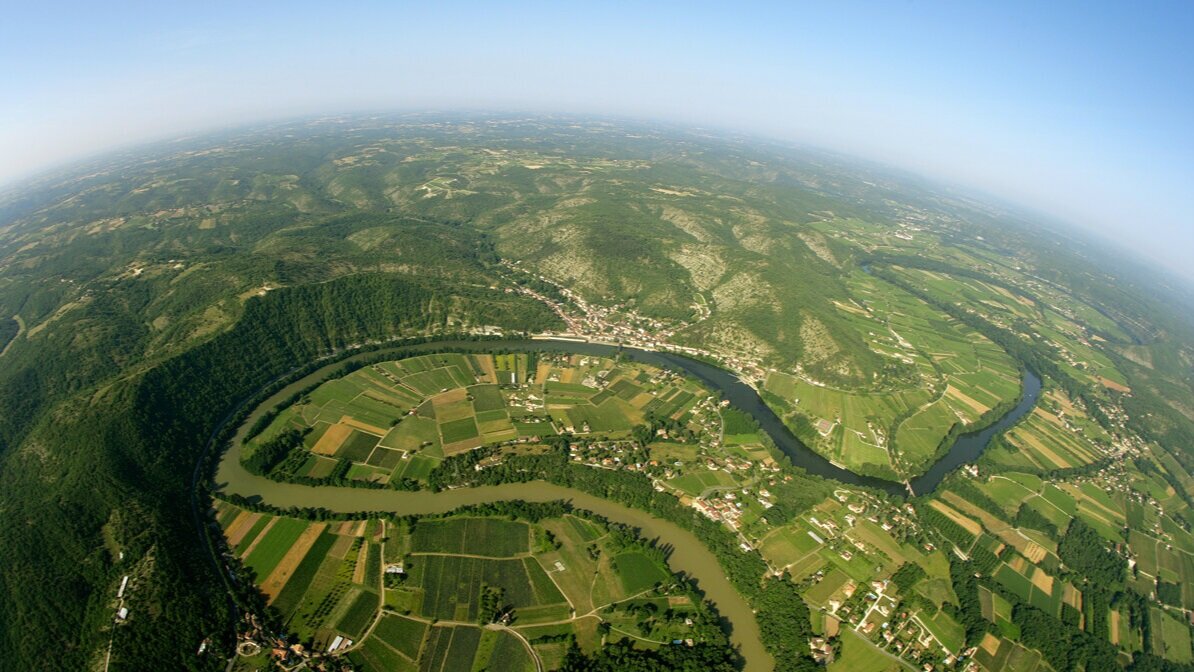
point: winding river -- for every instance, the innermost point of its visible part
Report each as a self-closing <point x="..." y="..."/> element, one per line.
<point x="689" y="555"/>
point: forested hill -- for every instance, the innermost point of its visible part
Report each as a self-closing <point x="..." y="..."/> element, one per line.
<point x="109" y="473"/>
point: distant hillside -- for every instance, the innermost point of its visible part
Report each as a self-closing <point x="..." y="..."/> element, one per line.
<point x="159" y="288"/>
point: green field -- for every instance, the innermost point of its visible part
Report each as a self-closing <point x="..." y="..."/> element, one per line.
<point x="404" y="635"/>
<point x="459" y="430"/>
<point x="859" y="655"/>
<point x="638" y="572"/>
<point x="472" y="536"/>
<point x="452" y="584"/>
<point x="359" y="614"/>
<point x="274" y="545"/>
<point x="1170" y="637"/>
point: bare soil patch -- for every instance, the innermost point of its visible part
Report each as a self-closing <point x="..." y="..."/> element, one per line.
<point x="1043" y="581"/>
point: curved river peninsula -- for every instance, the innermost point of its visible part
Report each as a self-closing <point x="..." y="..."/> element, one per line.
<point x="966" y="448"/>
<point x="689" y="555"/>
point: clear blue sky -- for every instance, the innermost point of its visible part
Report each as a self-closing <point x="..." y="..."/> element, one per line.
<point x="1083" y="110"/>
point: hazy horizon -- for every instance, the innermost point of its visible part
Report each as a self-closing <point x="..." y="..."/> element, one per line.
<point x="1081" y="113"/>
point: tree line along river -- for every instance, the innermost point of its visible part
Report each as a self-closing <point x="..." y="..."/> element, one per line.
<point x="688" y="554"/>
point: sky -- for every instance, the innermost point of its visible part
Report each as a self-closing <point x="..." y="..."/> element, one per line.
<point x="1084" y="111"/>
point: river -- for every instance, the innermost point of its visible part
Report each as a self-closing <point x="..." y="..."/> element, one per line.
<point x="689" y="555"/>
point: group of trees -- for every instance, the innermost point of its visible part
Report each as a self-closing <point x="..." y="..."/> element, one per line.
<point x="1063" y="644"/>
<point x="140" y="441"/>
<point x="1030" y="518"/>
<point x="1084" y="551"/>
<point x="271" y="453"/>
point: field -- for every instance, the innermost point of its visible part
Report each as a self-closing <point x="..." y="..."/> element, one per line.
<point x="472" y="536"/>
<point x="638" y="572"/>
<point x="323" y="578"/>
<point x="996" y="654"/>
<point x="1031" y="584"/>
<point x="958" y="377"/>
<point x="156" y="276"/>
<point x="1170" y="637"/>
<point x="948" y="631"/>
<point x="397" y="420"/>
<point x="997" y="610"/>
<point x="1062" y="320"/>
<point x="569" y="586"/>
<point x="1046" y="440"/>
<point x="859" y="655"/>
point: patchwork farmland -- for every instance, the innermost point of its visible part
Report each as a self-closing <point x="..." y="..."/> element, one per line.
<point x="461" y="592"/>
<point x="323" y="578"/>
<point x="393" y="422"/>
<point x="956" y="376"/>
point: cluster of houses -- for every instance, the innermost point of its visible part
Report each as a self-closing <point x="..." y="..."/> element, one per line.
<point x="724" y="509"/>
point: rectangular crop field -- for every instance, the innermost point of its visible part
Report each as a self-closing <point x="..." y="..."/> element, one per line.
<point x="357" y="446"/>
<point x="491" y="537"/>
<point x="487" y="398"/>
<point x="638" y="572"/>
<point x="459" y="430"/>
<point x="270" y="550"/>
<point x="452" y="584"/>
<point x="359" y="615"/>
<point x="403" y="634"/>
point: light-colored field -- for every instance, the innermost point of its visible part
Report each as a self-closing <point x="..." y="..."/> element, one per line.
<point x="358" y="574"/>
<point x="1055" y="461"/>
<point x="1034" y="552"/>
<point x="1118" y="387"/>
<point x="285" y="568"/>
<point x="240" y="526"/>
<point x="1073" y="597"/>
<point x="372" y="429"/>
<point x="340" y="546"/>
<point x="463" y="446"/>
<point x="330" y="442"/>
<point x="488" y="373"/>
<point x="965" y="399"/>
<point x="990" y="644"/>
<point x="351" y="528"/>
<point x="1053" y="419"/>
<point x="968" y="524"/>
<point x="1017" y="563"/>
<point x="1042" y="581"/>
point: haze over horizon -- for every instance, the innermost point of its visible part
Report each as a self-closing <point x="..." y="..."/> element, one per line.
<point x="1083" y="112"/>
